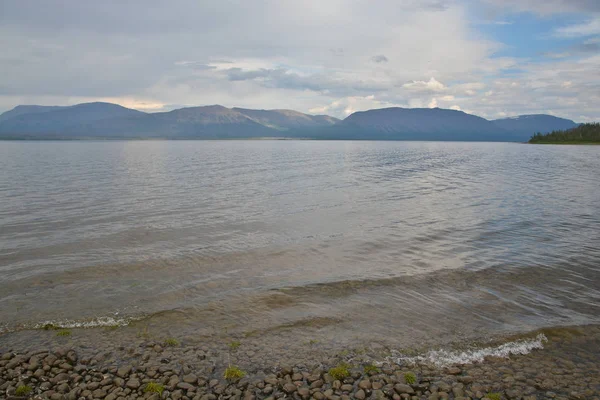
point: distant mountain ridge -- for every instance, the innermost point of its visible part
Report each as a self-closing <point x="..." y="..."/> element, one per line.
<point x="527" y="125"/>
<point x="107" y="120"/>
<point x="398" y="123"/>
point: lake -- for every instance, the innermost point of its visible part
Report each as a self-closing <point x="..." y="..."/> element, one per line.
<point x="401" y="242"/>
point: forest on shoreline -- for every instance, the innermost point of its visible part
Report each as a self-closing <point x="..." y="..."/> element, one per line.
<point x="584" y="133"/>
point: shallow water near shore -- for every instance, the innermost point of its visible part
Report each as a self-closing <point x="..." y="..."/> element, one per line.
<point x="410" y="245"/>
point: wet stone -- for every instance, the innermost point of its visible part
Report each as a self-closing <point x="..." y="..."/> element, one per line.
<point x="289" y="388"/>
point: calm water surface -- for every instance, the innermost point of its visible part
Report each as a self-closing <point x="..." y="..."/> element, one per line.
<point x="391" y="241"/>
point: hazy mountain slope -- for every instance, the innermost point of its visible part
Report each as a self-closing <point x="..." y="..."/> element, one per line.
<point x="113" y="121"/>
<point x="105" y="120"/>
<point x="417" y="124"/>
<point x="287" y="119"/>
<point x="527" y="125"/>
<point x="64" y="120"/>
<point x="210" y="122"/>
<point x="25" y="109"/>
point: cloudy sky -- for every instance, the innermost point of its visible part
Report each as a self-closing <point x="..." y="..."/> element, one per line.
<point x="494" y="58"/>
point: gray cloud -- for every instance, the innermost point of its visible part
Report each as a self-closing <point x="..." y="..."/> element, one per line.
<point x="272" y="54"/>
<point x="379" y="59"/>
<point x="547" y="6"/>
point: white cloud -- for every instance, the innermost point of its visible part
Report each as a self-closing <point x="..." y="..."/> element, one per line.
<point x="432" y="85"/>
<point x="588" y="28"/>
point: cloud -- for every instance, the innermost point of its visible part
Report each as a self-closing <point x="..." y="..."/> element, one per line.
<point x="546" y="7"/>
<point x="432" y="85"/>
<point x="347" y="105"/>
<point x="327" y="57"/>
<point x="588" y="28"/>
<point x="379" y="59"/>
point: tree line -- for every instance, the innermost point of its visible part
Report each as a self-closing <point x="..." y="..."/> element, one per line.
<point x="584" y="133"/>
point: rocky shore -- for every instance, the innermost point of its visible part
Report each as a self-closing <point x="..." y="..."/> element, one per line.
<point x="567" y="368"/>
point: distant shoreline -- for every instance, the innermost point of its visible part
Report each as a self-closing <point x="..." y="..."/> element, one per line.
<point x="571" y="143"/>
<point x="103" y="139"/>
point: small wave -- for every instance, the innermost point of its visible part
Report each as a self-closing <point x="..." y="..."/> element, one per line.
<point x="444" y="358"/>
<point x="91" y="323"/>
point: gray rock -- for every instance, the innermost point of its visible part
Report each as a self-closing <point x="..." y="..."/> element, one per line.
<point x="365" y="384"/>
<point x="304" y="392"/>
<point x="317" y="384"/>
<point x="190" y="378"/>
<point x="133" y="383"/>
<point x="124" y="371"/>
<point x="185" y="386"/>
<point x="346" y="388"/>
<point x="99" y="393"/>
<point x="289" y="388"/>
<point x="402" y="388"/>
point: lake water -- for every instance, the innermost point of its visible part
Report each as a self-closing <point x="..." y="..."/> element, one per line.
<point x="400" y="242"/>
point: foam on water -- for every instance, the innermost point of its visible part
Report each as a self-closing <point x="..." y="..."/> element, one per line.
<point x="91" y="323"/>
<point x="443" y="358"/>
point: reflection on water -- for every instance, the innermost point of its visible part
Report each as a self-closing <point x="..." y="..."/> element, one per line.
<point x="382" y="240"/>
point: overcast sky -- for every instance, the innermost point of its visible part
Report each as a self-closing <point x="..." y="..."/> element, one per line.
<point x="493" y="58"/>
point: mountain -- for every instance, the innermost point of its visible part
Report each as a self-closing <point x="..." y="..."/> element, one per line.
<point x="526" y="125"/>
<point x="397" y="123"/>
<point x="105" y="120"/>
<point x="60" y="121"/>
<point x="19" y="110"/>
<point x="283" y="120"/>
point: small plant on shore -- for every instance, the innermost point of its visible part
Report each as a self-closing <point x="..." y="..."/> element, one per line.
<point x="234" y="345"/>
<point x="340" y="372"/>
<point x="493" y="396"/>
<point x="50" y="327"/>
<point x="144" y="334"/>
<point x="171" y="342"/>
<point x="63" y="332"/>
<point x="233" y="373"/>
<point x="154" y="387"/>
<point x="371" y="369"/>
<point x="23" y="390"/>
<point x="410" y="378"/>
<point x="313" y="342"/>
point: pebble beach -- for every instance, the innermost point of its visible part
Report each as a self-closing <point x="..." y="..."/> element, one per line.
<point x="71" y="367"/>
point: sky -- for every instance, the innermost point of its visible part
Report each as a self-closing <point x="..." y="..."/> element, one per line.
<point x="493" y="58"/>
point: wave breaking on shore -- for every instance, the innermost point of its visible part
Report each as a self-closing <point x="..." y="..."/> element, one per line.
<point x="443" y="358"/>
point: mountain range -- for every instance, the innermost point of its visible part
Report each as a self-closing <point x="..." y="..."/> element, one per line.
<point x="112" y="121"/>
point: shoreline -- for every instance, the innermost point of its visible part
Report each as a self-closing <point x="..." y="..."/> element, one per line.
<point x="68" y="367"/>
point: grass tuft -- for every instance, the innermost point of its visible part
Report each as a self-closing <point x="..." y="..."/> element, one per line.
<point x="64" y="332"/>
<point x="234" y="345"/>
<point x="171" y="342"/>
<point x="371" y="369"/>
<point x="23" y="390"/>
<point x="410" y="378"/>
<point x="50" y="327"/>
<point x="340" y="372"/>
<point x="154" y="387"/>
<point x="493" y="396"/>
<point x="233" y="373"/>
